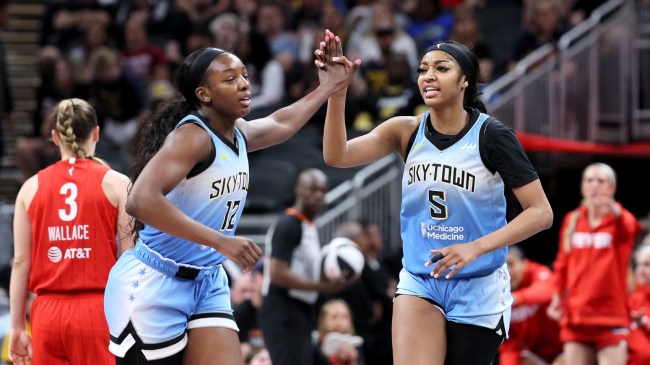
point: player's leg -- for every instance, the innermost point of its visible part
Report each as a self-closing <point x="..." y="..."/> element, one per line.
<point x="419" y="336"/>
<point x="87" y="336"/>
<point x="576" y="353"/>
<point x="469" y="344"/>
<point x="478" y="317"/>
<point x="613" y="355"/>
<point x="213" y="346"/>
<point x="612" y="346"/>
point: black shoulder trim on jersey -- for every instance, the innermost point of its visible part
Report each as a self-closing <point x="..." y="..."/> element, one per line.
<point x="482" y="146"/>
<point x="412" y="140"/>
<point x="202" y="166"/>
<point x="223" y="139"/>
<point x="243" y="136"/>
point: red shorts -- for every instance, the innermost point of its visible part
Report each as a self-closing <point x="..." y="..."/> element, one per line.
<point x="597" y="336"/>
<point x="70" y="329"/>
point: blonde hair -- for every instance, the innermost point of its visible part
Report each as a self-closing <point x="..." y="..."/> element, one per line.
<point x="75" y="120"/>
<point x="608" y="170"/>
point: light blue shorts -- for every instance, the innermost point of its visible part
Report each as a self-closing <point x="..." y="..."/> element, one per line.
<point x="151" y="302"/>
<point x="480" y="301"/>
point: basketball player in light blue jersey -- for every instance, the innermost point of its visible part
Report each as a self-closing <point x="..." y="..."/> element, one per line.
<point x="453" y="300"/>
<point x="168" y="300"/>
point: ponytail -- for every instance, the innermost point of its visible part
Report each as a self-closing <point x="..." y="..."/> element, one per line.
<point x="151" y="136"/>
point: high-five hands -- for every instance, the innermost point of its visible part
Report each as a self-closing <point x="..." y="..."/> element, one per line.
<point x="333" y="67"/>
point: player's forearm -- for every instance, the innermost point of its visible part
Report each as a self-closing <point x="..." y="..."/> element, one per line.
<point x="18" y="294"/>
<point x="334" y="132"/>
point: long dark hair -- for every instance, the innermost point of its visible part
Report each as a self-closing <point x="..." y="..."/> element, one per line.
<point x="152" y="133"/>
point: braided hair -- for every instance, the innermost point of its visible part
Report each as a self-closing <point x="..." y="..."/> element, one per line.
<point x="75" y="119"/>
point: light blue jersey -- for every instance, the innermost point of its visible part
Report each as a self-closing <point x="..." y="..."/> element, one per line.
<point x="142" y="302"/>
<point x="450" y="197"/>
<point x="214" y="197"/>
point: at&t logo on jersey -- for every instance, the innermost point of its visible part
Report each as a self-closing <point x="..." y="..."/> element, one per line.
<point x="55" y="255"/>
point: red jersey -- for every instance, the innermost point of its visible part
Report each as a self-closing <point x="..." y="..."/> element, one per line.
<point x="591" y="268"/>
<point x="639" y="337"/>
<point x="74" y="227"/>
<point x="530" y="328"/>
<point x="141" y="64"/>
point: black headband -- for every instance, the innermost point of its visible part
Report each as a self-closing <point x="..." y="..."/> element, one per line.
<point x="459" y="54"/>
<point x="198" y="68"/>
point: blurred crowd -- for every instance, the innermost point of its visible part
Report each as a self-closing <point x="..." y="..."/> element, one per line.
<point x="121" y="54"/>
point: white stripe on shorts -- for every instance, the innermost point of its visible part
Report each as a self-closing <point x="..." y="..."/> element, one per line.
<point x="212" y="322"/>
<point x="120" y="350"/>
<point x="165" y="351"/>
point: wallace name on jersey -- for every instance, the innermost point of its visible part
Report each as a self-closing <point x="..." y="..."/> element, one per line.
<point x="227" y="185"/>
<point x="68" y="232"/>
<point x="442" y="173"/>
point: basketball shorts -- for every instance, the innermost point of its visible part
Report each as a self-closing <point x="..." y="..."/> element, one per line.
<point x="69" y="329"/>
<point x="151" y="302"/>
<point x="481" y="301"/>
<point x="597" y="336"/>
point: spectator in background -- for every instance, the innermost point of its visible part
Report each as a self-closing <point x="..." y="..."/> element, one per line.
<point x="285" y="47"/>
<point x="533" y="336"/>
<point x="246" y="11"/>
<point x="142" y="59"/>
<point x="226" y="31"/>
<point x="306" y="13"/>
<point x="185" y="18"/>
<point x="466" y="30"/>
<point x="246" y="311"/>
<point x="258" y="356"/>
<point x="595" y="245"/>
<point x="292" y="275"/>
<point x="38" y="152"/>
<point x="156" y="15"/>
<point x="337" y="343"/>
<point x="398" y="96"/>
<point x="639" y="306"/>
<point x="95" y="37"/>
<point x="65" y="22"/>
<point x="371" y="298"/>
<point x="6" y="97"/>
<point x="382" y="39"/>
<point x="121" y="103"/>
<point x="57" y="82"/>
<point x="546" y="27"/>
<point x="430" y="23"/>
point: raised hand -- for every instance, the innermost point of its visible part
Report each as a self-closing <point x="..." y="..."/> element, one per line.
<point x="334" y="69"/>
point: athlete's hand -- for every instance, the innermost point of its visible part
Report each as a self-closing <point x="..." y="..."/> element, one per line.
<point x="454" y="257"/>
<point x="554" y="309"/>
<point x="333" y="67"/>
<point x="242" y="250"/>
<point x="20" y="348"/>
